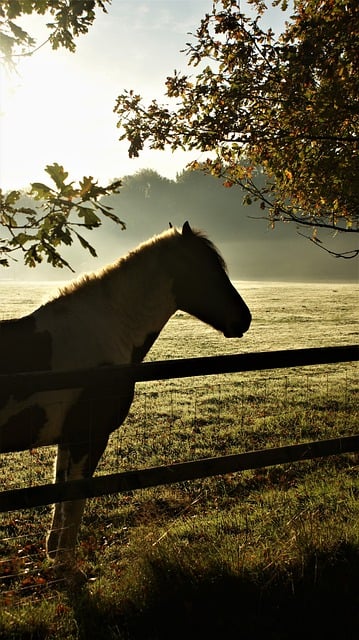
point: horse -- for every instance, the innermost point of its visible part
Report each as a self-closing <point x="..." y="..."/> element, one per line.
<point x="109" y="317"/>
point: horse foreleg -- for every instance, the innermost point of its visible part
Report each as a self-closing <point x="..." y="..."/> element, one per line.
<point x="66" y="518"/>
<point x="61" y="541"/>
<point x="62" y="538"/>
<point x="61" y="475"/>
<point x="92" y="419"/>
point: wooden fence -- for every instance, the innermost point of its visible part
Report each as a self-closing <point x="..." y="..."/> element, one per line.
<point x="119" y="482"/>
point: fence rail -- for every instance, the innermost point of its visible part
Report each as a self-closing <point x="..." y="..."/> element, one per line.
<point x="168" y="474"/>
<point x="119" y="482"/>
<point x="181" y="368"/>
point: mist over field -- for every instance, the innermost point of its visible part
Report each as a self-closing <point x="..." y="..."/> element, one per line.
<point x="253" y="251"/>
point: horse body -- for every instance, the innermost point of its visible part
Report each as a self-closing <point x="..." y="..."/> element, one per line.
<point x="112" y="317"/>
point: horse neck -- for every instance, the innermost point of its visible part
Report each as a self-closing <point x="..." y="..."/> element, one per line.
<point x="112" y="316"/>
<point x="140" y="301"/>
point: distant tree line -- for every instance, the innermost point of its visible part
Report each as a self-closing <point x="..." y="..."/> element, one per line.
<point x="251" y="248"/>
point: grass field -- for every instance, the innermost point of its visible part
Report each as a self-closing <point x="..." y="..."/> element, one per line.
<point x="273" y="551"/>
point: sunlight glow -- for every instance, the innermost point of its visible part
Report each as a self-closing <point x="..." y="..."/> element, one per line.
<point x="58" y="106"/>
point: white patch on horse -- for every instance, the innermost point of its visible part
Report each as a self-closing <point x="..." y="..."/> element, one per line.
<point x="55" y="405"/>
<point x="77" y="468"/>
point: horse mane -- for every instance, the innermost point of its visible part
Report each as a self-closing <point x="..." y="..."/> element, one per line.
<point x="170" y="238"/>
<point x="208" y="244"/>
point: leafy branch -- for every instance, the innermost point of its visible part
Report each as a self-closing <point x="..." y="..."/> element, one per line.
<point x="68" y="20"/>
<point x="63" y="208"/>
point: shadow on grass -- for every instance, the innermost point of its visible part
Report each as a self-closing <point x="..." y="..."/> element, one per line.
<point x="317" y="600"/>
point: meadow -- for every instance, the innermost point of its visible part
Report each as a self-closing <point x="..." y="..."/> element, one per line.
<point x="272" y="551"/>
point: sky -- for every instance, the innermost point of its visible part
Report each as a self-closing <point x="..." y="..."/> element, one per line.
<point x="58" y="106"/>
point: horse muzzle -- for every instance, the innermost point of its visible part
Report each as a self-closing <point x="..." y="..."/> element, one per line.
<point x="238" y="328"/>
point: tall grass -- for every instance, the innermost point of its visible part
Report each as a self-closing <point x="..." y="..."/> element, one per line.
<point x="272" y="551"/>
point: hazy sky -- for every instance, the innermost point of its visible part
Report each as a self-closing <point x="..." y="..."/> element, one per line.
<point x="58" y="107"/>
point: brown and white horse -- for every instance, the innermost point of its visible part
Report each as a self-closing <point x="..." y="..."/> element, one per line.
<point x="109" y="317"/>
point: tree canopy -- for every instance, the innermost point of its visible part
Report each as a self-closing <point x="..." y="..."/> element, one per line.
<point x="284" y="106"/>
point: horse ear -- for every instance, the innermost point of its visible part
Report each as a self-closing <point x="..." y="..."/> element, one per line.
<point x="186" y="229"/>
<point x="171" y="225"/>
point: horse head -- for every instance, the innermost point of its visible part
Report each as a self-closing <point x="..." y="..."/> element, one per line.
<point x="202" y="287"/>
